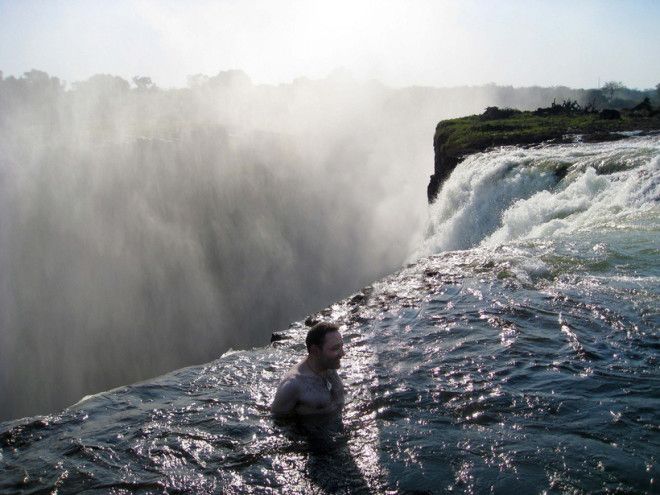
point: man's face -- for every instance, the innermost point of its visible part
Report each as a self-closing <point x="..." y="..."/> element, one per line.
<point x="332" y="351"/>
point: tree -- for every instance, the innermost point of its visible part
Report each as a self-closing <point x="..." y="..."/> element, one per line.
<point x="595" y="98"/>
<point x="611" y="87"/>
<point x="103" y="84"/>
<point x="40" y="81"/>
<point x="198" y="80"/>
<point x="657" y="90"/>
<point x="231" y="79"/>
<point x="143" y="83"/>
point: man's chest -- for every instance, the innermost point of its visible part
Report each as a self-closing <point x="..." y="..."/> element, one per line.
<point x="320" y="394"/>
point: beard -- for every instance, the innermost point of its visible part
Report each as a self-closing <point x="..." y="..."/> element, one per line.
<point x="333" y="364"/>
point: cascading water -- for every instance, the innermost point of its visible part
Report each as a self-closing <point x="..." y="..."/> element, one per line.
<point x="518" y="352"/>
<point x="512" y="194"/>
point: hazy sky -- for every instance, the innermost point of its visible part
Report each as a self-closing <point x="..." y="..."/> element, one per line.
<point x="440" y="43"/>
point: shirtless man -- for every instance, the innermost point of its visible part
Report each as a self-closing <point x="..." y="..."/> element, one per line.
<point x="313" y="385"/>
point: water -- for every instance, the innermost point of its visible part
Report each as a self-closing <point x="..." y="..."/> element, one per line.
<point x="518" y="351"/>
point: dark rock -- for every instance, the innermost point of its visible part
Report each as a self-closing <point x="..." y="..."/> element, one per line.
<point x="601" y="137"/>
<point x="311" y="320"/>
<point x="358" y="298"/>
<point x="610" y="114"/>
<point x="433" y="187"/>
<point x="444" y="165"/>
<point x="278" y="336"/>
<point x="561" y="172"/>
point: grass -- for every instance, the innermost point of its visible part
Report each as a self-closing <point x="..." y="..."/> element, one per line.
<point x="462" y="136"/>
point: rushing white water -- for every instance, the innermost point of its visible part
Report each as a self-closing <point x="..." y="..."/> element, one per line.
<point x="514" y="194"/>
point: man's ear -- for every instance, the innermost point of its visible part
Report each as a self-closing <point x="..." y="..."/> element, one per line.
<point x="315" y="350"/>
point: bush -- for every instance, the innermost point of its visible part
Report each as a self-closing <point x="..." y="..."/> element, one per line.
<point x="495" y="113"/>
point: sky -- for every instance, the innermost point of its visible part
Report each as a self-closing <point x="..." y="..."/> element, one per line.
<point x="577" y="43"/>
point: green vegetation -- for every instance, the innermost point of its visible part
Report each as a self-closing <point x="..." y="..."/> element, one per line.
<point x="461" y="136"/>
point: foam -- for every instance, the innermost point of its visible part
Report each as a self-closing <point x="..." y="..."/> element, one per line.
<point x="514" y="194"/>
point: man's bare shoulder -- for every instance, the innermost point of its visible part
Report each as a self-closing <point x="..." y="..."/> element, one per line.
<point x="297" y="372"/>
<point x="291" y="389"/>
<point x="297" y="375"/>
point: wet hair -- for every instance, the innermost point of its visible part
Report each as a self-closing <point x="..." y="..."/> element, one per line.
<point x="316" y="334"/>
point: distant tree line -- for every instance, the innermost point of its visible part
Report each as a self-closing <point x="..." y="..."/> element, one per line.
<point x="99" y="100"/>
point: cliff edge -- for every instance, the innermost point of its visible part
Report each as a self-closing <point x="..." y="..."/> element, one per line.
<point x="455" y="139"/>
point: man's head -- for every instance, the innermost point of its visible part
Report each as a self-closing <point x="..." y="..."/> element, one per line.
<point x="325" y="345"/>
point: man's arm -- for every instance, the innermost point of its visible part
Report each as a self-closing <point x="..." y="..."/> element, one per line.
<point x="340" y="393"/>
<point x="286" y="398"/>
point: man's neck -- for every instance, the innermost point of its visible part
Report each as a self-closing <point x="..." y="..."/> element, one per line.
<point x="314" y="366"/>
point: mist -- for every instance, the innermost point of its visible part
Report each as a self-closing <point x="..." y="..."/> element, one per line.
<point x="143" y="229"/>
